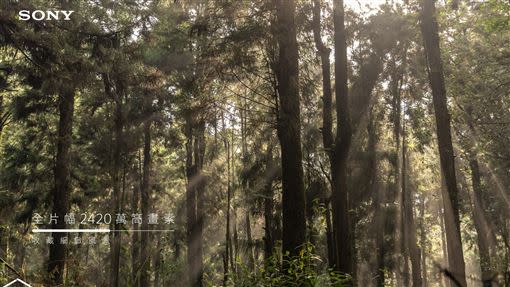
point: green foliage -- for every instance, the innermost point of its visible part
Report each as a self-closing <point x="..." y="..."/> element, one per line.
<point x="299" y="271"/>
<point x="499" y="21"/>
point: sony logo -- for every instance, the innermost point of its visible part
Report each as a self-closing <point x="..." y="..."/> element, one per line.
<point x="40" y="15"/>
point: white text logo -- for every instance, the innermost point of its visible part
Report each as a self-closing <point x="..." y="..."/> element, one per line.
<point x="40" y="15"/>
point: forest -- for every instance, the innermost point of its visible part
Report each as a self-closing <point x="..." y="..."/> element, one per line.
<point x="255" y="143"/>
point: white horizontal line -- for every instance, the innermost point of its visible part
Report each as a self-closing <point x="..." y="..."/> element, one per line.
<point x="98" y="230"/>
<point x="143" y="230"/>
<point x="70" y="230"/>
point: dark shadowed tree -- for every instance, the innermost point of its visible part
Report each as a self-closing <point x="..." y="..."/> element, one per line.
<point x="289" y="130"/>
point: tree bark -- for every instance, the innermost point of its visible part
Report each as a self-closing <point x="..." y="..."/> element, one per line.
<point x="195" y="149"/>
<point x="401" y="252"/>
<point x="380" y="225"/>
<point x="269" y="205"/>
<point x="157" y="262"/>
<point x="145" y="197"/>
<point x="289" y="131"/>
<point x="341" y="228"/>
<point x="115" y="237"/>
<point x="201" y="185"/>
<point x="249" y="243"/>
<point x="444" y="248"/>
<point x="247" y="223"/>
<point x="373" y="188"/>
<point x="481" y="226"/>
<point x="430" y="35"/>
<point x="327" y="120"/>
<point x="423" y="243"/>
<point x="409" y="224"/>
<point x="135" y="244"/>
<point x="62" y="191"/>
<point x="330" y="238"/>
<point x="323" y="52"/>
<point x="486" y="240"/>
<point x="228" y="242"/>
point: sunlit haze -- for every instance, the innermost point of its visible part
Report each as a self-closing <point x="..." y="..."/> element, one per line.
<point x="363" y="5"/>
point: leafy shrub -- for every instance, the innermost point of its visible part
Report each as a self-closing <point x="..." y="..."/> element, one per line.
<point x="297" y="271"/>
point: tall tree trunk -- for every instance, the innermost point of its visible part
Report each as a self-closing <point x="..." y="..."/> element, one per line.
<point x="373" y="188"/>
<point x="323" y="51"/>
<point x="235" y="238"/>
<point x="234" y="242"/>
<point x="289" y="131"/>
<point x="228" y="242"/>
<point x="4" y="238"/>
<point x="135" y="244"/>
<point x="444" y="243"/>
<point x="430" y="34"/>
<point x="481" y="226"/>
<point x="195" y="149"/>
<point x="115" y="237"/>
<point x="157" y="263"/>
<point x="145" y="196"/>
<point x="330" y="238"/>
<point x="409" y="225"/>
<point x="399" y="235"/>
<point x="62" y="191"/>
<point x="246" y="185"/>
<point x="486" y="240"/>
<point x="191" y="210"/>
<point x="249" y="243"/>
<point x="380" y="225"/>
<point x="423" y="243"/>
<point x="199" y="153"/>
<point x="269" y="205"/>
<point x="327" y="120"/>
<point x="341" y="228"/>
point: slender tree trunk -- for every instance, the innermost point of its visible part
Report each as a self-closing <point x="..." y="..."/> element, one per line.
<point x="235" y="237"/>
<point x="195" y="149"/>
<point x="341" y="223"/>
<point x="157" y="263"/>
<point x="135" y="244"/>
<point x="234" y="243"/>
<point x="191" y="209"/>
<point x="269" y="206"/>
<point x="201" y="185"/>
<point x="481" y="226"/>
<point x="444" y="243"/>
<point x="405" y="256"/>
<point x="423" y="243"/>
<point x="246" y="185"/>
<point x="4" y="237"/>
<point x="401" y="251"/>
<point x="410" y="227"/>
<point x="327" y="120"/>
<point x="268" y="224"/>
<point x="485" y="234"/>
<point x="330" y="238"/>
<point x="227" y="227"/>
<point x="62" y="191"/>
<point x="373" y="188"/>
<point x="145" y="197"/>
<point x="249" y="243"/>
<point x="380" y="223"/>
<point x="323" y="51"/>
<point x="430" y="34"/>
<point x="289" y="131"/>
<point x="115" y="237"/>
